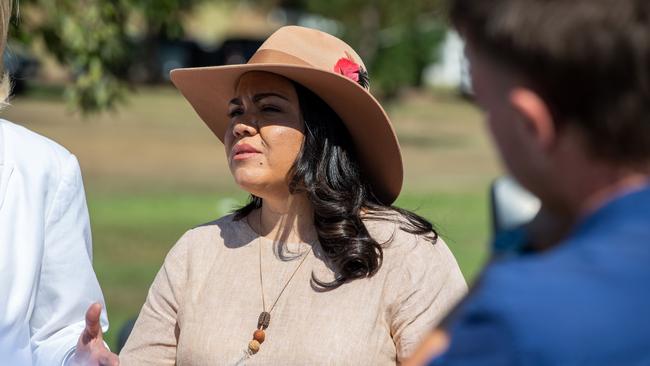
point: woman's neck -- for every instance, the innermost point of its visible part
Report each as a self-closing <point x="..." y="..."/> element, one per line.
<point x="289" y="220"/>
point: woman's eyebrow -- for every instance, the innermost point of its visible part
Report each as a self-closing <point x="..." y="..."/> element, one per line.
<point x="258" y="97"/>
<point x="261" y="96"/>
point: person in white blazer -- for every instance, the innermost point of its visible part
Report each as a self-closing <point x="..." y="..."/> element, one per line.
<point x="47" y="282"/>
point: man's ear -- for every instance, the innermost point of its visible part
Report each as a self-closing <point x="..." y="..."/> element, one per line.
<point x="535" y="114"/>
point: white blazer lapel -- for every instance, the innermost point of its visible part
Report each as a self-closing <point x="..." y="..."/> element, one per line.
<point x="6" y="168"/>
<point x="5" y="174"/>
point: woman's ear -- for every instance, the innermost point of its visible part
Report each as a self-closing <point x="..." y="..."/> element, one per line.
<point x="536" y="115"/>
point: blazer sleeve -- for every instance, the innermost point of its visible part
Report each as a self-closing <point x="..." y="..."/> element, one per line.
<point x="481" y="330"/>
<point x="67" y="283"/>
<point x="480" y="338"/>
<point x="154" y="338"/>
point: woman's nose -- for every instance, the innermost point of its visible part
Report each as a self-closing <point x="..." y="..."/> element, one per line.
<point x="244" y="128"/>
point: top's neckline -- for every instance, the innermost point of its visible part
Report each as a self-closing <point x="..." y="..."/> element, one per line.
<point x="256" y="236"/>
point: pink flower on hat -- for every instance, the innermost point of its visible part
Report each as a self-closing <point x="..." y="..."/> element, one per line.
<point x="353" y="71"/>
<point x="348" y="68"/>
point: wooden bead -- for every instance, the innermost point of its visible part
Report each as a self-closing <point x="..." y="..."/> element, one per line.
<point x="254" y="346"/>
<point x="259" y="336"/>
<point x="264" y="320"/>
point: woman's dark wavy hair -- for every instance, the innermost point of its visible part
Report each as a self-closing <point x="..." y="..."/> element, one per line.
<point x="328" y="172"/>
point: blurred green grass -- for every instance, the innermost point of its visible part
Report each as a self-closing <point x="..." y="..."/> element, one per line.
<point x="152" y="170"/>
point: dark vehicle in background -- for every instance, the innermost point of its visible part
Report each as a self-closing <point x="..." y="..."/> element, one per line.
<point x="150" y="61"/>
<point x="21" y="66"/>
<point x="237" y="50"/>
<point x="153" y="60"/>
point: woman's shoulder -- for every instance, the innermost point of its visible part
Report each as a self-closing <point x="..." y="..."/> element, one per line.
<point x="391" y="229"/>
<point x="209" y="237"/>
<point x="414" y="262"/>
<point x="29" y="147"/>
<point x="403" y="248"/>
<point x="222" y="225"/>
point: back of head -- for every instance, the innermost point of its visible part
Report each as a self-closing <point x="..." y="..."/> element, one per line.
<point x="588" y="59"/>
<point x="5" y="17"/>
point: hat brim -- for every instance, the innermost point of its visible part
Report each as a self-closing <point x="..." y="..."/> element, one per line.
<point x="208" y="89"/>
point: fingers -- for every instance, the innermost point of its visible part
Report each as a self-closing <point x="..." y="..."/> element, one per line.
<point x="434" y="345"/>
<point x="91" y="349"/>
<point x="93" y="327"/>
<point x="110" y="359"/>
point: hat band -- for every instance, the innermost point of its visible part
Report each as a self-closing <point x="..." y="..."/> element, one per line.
<point x="269" y="56"/>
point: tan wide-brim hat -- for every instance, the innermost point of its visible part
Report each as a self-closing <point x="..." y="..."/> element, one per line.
<point x="328" y="67"/>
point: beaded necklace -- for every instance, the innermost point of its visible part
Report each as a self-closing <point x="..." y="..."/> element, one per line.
<point x="264" y="319"/>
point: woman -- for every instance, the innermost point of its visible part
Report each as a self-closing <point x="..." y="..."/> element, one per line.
<point x="318" y="268"/>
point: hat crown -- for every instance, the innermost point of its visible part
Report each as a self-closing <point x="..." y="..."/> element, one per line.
<point x="305" y="47"/>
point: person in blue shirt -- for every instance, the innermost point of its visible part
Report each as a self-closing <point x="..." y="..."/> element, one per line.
<point x="565" y="86"/>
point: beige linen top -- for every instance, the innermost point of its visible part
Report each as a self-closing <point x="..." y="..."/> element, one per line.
<point x="203" y="306"/>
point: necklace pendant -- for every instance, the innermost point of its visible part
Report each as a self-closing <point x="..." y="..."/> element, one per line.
<point x="264" y="320"/>
<point x="259" y="335"/>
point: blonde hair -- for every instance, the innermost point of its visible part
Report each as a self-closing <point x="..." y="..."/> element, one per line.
<point x="5" y="18"/>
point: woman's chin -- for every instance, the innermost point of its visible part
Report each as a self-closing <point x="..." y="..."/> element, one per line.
<point x="251" y="184"/>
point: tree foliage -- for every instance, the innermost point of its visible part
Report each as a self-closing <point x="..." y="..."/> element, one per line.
<point x="397" y="39"/>
<point x="91" y="38"/>
<point x="87" y="36"/>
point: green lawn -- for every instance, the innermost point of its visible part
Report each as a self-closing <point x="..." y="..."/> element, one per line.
<point x="153" y="170"/>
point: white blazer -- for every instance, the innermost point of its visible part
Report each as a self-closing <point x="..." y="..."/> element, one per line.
<point x="46" y="276"/>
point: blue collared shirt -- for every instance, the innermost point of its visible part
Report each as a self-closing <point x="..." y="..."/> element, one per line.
<point x="585" y="302"/>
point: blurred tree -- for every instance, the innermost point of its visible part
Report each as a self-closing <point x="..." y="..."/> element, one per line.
<point x="396" y="39"/>
<point x="91" y="37"/>
<point x="86" y="35"/>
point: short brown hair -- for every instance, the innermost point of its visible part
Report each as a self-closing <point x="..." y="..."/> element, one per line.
<point x="588" y="59"/>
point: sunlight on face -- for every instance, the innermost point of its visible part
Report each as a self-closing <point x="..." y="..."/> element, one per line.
<point x="265" y="133"/>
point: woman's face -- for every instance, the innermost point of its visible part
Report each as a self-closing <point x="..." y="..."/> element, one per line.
<point x="265" y="133"/>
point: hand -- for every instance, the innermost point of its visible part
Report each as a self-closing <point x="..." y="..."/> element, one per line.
<point x="433" y="346"/>
<point x="91" y="350"/>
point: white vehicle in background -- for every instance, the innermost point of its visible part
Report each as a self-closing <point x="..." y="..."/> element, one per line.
<point x="452" y="71"/>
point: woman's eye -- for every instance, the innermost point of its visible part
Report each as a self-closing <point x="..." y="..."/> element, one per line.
<point x="234" y="113"/>
<point x="271" y="109"/>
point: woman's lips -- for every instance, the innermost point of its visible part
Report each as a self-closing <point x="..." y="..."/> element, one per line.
<point x="244" y="156"/>
<point x="243" y="152"/>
